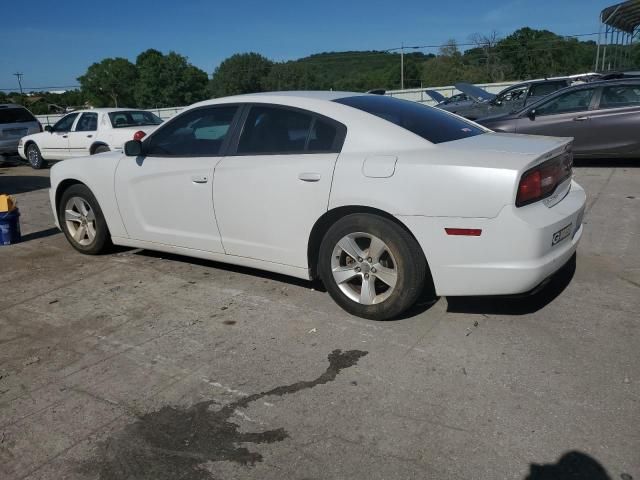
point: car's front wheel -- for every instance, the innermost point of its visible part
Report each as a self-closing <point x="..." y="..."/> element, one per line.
<point x="371" y="266"/>
<point x="82" y="221"/>
<point x="35" y="157"/>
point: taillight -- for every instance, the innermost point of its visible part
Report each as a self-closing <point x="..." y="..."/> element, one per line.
<point x="542" y="180"/>
<point x="139" y="135"/>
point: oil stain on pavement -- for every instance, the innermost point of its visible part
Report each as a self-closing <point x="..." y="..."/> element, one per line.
<point x="173" y="443"/>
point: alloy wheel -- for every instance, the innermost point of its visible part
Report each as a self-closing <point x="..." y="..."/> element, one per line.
<point x="364" y="268"/>
<point x="80" y="221"/>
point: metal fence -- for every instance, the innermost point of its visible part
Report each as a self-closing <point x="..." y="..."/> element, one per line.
<point x="413" y="94"/>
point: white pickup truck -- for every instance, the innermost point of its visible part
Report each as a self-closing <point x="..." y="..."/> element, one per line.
<point x="86" y="132"/>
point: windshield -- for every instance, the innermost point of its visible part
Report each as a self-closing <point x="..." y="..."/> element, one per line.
<point x="133" y="118"/>
<point x="432" y="124"/>
<point x="15" y="115"/>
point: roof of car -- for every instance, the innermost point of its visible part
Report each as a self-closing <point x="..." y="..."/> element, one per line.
<point x="267" y="96"/>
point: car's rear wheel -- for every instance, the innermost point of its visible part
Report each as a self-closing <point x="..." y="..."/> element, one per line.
<point x="371" y="266"/>
<point x="82" y="221"/>
<point x="34" y="157"/>
<point x="101" y="149"/>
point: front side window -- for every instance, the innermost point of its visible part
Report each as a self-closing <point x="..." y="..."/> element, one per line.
<point x="269" y="130"/>
<point x="576" y="101"/>
<point x="199" y="132"/>
<point x="65" y="123"/>
<point x="617" y="96"/>
<point x="88" y="123"/>
<point x="133" y="118"/>
<point x="432" y="124"/>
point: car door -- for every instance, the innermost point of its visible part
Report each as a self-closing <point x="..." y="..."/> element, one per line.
<point x="83" y="133"/>
<point x="165" y="195"/>
<point x="614" y="124"/>
<point x="564" y="115"/>
<point x="271" y="191"/>
<point x="55" y="146"/>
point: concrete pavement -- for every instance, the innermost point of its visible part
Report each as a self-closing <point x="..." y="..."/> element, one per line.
<point x="145" y="365"/>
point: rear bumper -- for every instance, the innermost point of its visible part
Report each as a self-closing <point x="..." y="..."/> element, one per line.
<point x="514" y="253"/>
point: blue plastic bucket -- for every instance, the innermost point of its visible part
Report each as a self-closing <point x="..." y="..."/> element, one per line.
<point x="10" y="227"/>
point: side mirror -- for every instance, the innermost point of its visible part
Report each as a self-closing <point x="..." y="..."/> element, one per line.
<point x="531" y="114"/>
<point x="133" y="148"/>
<point x="48" y="128"/>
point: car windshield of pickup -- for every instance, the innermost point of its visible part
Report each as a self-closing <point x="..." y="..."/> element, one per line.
<point x="133" y="118"/>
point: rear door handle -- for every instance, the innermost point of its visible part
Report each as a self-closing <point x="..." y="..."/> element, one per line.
<point x="199" y="179"/>
<point x="581" y="119"/>
<point x="309" y="177"/>
<point x="89" y="136"/>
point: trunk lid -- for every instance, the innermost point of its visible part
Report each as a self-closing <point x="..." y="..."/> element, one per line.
<point x="509" y="151"/>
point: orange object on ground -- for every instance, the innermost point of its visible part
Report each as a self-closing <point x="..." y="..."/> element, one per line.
<point x="7" y="203"/>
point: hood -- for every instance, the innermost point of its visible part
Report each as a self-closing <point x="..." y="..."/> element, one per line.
<point x="475" y="92"/>
<point x="436" y="96"/>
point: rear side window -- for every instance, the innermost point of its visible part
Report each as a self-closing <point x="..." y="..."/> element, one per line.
<point x="430" y="123"/>
<point x="274" y="130"/>
<point x="15" y="115"/>
<point x="88" y="123"/>
<point x="620" y="96"/>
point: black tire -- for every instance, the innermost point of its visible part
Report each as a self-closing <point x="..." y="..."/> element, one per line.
<point x="101" y="149"/>
<point x="407" y="257"/>
<point x="34" y="157"/>
<point x="101" y="241"/>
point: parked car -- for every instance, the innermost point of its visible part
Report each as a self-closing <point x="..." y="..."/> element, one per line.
<point x="15" y="122"/>
<point x="86" y="132"/>
<point x="374" y="195"/>
<point x="477" y="102"/>
<point x="602" y="117"/>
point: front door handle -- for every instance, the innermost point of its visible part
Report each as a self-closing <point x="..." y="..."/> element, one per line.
<point x="309" y="177"/>
<point x="199" y="179"/>
<point x="581" y="119"/>
<point x="65" y="136"/>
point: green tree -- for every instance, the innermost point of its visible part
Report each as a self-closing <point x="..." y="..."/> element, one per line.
<point x="168" y="80"/>
<point x="240" y="73"/>
<point x="290" y="76"/>
<point x="110" y="83"/>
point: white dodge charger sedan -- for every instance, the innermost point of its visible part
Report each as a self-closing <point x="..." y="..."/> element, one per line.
<point x="85" y="132"/>
<point x="378" y="197"/>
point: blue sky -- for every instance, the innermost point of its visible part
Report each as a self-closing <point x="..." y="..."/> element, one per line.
<point x="53" y="43"/>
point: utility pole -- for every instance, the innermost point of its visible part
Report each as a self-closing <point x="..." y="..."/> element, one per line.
<point x="19" y="75"/>
<point x="402" y="66"/>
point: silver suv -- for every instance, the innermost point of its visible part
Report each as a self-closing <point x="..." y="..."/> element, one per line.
<point x="15" y="122"/>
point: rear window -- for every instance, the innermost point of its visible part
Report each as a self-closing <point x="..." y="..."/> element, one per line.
<point x="15" y="115"/>
<point x="134" y="118"/>
<point x="432" y="124"/>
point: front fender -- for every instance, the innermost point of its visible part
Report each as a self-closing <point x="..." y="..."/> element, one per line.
<point x="97" y="173"/>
